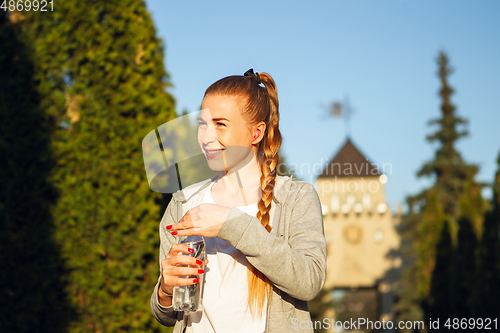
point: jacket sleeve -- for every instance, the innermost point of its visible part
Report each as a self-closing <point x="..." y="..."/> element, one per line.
<point x="166" y="316"/>
<point x="297" y="267"/>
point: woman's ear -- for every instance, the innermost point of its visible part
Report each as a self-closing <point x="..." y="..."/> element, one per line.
<point x="258" y="132"/>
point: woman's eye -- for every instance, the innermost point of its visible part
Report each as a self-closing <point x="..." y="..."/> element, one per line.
<point x="222" y="124"/>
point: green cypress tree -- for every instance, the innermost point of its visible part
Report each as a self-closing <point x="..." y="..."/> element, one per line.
<point x="465" y="270"/>
<point x="407" y="306"/>
<point x="100" y="73"/>
<point x="428" y="235"/>
<point x="441" y="301"/>
<point x="471" y="210"/>
<point x="32" y="275"/>
<point x="489" y="257"/>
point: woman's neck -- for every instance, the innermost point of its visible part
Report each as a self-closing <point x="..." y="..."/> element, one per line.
<point x="240" y="181"/>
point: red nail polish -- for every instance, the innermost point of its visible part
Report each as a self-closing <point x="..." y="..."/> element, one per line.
<point x="174" y="233"/>
<point x="190" y="250"/>
<point x="199" y="262"/>
<point x="200" y="271"/>
<point x="169" y="227"/>
<point x="195" y="281"/>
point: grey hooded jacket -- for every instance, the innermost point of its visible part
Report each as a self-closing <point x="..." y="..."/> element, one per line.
<point x="292" y="255"/>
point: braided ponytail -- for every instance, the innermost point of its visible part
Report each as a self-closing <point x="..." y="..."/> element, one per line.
<point x="268" y="152"/>
<point x="259" y="286"/>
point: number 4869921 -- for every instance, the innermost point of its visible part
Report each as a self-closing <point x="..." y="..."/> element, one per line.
<point x="27" y="5"/>
<point x="472" y="323"/>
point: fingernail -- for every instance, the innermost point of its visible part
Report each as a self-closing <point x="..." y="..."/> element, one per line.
<point x="199" y="262"/>
<point x="200" y="271"/>
<point x="169" y="227"/>
<point x="190" y="250"/>
<point x="195" y="281"/>
<point x="174" y="233"/>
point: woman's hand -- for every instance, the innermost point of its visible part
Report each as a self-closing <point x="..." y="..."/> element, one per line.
<point x="172" y="268"/>
<point x="203" y="220"/>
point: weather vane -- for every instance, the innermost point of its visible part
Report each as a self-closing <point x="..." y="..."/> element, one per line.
<point x="339" y="109"/>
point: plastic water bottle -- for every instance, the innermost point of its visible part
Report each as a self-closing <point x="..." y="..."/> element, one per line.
<point x="188" y="298"/>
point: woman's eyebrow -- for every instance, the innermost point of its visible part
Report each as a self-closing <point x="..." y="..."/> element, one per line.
<point x="214" y="119"/>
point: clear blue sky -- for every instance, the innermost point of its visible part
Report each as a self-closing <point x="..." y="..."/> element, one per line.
<point x="379" y="53"/>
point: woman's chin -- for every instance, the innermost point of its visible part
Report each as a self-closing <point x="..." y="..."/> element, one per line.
<point x="216" y="165"/>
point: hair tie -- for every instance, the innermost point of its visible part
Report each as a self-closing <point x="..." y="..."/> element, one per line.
<point x="255" y="76"/>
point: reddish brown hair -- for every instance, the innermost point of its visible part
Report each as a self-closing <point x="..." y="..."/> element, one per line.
<point x="261" y="104"/>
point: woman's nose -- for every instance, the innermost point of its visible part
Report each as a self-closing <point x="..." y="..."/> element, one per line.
<point x="208" y="135"/>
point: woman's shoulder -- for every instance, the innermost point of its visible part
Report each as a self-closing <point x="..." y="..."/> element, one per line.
<point x="291" y="188"/>
<point x="292" y="181"/>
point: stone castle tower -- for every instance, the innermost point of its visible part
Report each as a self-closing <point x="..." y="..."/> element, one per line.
<point x="362" y="241"/>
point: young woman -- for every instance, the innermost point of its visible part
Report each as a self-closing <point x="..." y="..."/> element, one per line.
<point x="264" y="235"/>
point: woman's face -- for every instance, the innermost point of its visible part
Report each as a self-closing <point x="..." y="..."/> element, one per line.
<point x="224" y="136"/>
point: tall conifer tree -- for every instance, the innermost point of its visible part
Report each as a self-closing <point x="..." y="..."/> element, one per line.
<point x="448" y="168"/>
<point x="454" y="190"/>
<point x="32" y="293"/>
<point x="100" y="73"/>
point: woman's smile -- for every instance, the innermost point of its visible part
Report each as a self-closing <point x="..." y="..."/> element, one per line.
<point x="213" y="153"/>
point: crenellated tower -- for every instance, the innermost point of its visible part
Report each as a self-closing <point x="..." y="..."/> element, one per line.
<point x="362" y="241"/>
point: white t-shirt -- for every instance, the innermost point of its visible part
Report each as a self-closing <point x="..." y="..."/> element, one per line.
<point x="225" y="289"/>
